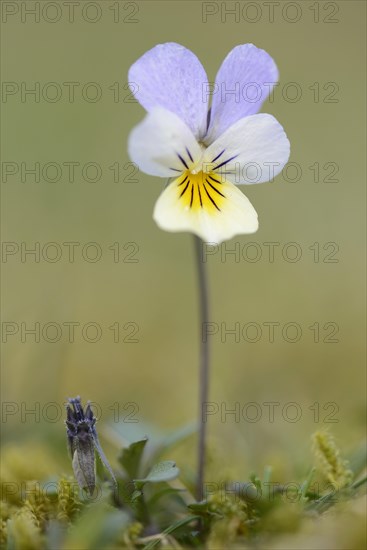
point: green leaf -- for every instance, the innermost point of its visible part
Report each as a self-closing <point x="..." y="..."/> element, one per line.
<point x="159" y="442"/>
<point x="306" y="484"/>
<point x="268" y="470"/>
<point x="176" y="525"/>
<point x="125" y="433"/>
<point x="359" y="483"/>
<point x="255" y="480"/>
<point x="163" y="471"/>
<point x="130" y="458"/>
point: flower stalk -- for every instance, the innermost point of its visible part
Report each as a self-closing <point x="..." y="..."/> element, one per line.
<point x="203" y="365"/>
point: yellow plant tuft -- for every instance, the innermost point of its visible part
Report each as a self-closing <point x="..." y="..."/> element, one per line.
<point x="68" y="500"/>
<point x="332" y="466"/>
<point x="23" y="531"/>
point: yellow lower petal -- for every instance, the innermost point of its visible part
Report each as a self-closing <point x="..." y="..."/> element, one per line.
<point x="207" y="205"/>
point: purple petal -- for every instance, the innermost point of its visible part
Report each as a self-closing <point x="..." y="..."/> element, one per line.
<point x="242" y="84"/>
<point x="172" y="77"/>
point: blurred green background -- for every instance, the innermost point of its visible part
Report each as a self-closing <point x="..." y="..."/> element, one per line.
<point x="158" y="292"/>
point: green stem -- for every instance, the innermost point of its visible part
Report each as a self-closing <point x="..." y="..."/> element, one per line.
<point x="360" y="482"/>
<point x="204" y="366"/>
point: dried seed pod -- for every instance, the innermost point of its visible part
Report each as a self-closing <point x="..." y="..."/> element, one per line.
<point x="83" y="442"/>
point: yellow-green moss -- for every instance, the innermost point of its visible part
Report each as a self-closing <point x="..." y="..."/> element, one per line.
<point x="230" y="521"/>
<point x="332" y="466"/>
<point x="68" y="503"/>
<point x="24" y="532"/>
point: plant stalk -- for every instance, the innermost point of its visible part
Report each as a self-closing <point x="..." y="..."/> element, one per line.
<point x="203" y="366"/>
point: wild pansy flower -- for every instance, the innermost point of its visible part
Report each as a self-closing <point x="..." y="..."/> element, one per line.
<point x="206" y="151"/>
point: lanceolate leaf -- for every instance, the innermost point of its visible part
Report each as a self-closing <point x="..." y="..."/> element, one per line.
<point x="103" y="457"/>
<point x="131" y="456"/>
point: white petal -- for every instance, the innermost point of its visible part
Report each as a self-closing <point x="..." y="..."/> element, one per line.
<point x="236" y="215"/>
<point x="253" y="150"/>
<point x="157" y="143"/>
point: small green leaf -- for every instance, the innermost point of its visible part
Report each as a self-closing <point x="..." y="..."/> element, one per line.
<point x="171" y="529"/>
<point x="306" y="484"/>
<point x="359" y="483"/>
<point x="268" y="470"/>
<point x="255" y="480"/>
<point x="163" y="471"/>
<point x="131" y="456"/>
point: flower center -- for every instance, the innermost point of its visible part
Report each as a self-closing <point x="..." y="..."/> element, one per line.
<point x="201" y="190"/>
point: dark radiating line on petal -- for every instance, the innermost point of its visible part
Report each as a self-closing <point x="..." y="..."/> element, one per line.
<point x="225" y="162"/>
<point x="216" y="181"/>
<point x="217" y="157"/>
<point x="216" y="190"/>
<point x="182" y="160"/>
<point x="183" y="181"/>
<point x="201" y="202"/>
<point x="186" y="186"/>
<point x="212" y="200"/>
<point x="192" y="195"/>
<point x="188" y="152"/>
<point x="175" y="170"/>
